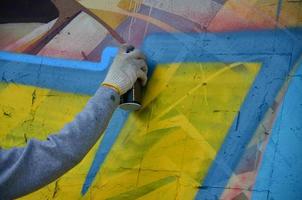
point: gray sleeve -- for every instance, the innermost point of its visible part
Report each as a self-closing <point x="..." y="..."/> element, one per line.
<point x="24" y="170"/>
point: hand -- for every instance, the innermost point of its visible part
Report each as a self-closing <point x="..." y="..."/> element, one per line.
<point x="127" y="67"/>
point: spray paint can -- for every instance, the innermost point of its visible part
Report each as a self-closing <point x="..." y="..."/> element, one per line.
<point x="132" y="99"/>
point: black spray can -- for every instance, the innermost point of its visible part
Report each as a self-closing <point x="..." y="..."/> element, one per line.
<point x="132" y="99"/>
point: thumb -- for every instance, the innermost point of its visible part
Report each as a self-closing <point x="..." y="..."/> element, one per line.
<point x="142" y="76"/>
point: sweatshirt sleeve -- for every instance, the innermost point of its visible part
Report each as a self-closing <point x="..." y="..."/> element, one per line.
<point x="24" y="170"/>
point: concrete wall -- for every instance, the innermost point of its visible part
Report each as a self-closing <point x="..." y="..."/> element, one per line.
<point x="221" y="115"/>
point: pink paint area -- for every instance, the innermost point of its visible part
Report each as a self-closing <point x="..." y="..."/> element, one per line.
<point x="11" y="33"/>
<point x="15" y="43"/>
<point x="6" y="39"/>
<point x="239" y="184"/>
<point x="77" y="55"/>
<point x="227" y="20"/>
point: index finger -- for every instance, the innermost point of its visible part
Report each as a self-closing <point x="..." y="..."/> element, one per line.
<point x="136" y="54"/>
<point x="126" y="48"/>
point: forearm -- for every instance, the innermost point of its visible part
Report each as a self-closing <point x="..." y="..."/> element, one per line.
<point x="23" y="170"/>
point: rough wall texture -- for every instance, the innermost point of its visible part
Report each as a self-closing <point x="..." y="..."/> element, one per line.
<point x="222" y="111"/>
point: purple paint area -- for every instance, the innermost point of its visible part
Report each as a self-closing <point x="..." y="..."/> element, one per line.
<point x="135" y="30"/>
<point x="180" y="23"/>
<point x="248" y="161"/>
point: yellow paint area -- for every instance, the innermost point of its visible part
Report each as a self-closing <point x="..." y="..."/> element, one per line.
<point x="34" y="112"/>
<point x="291" y="13"/>
<point x="113" y="19"/>
<point x="106" y="10"/>
<point x="165" y="150"/>
<point x="264" y="13"/>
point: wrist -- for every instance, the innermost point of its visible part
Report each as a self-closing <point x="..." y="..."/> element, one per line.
<point x="114" y="87"/>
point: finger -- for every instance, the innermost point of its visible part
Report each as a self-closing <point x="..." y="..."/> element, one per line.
<point x="141" y="64"/>
<point x="126" y="48"/>
<point x="142" y="76"/>
<point x="136" y="54"/>
<point x="123" y="48"/>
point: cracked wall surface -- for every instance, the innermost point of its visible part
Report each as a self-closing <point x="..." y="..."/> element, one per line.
<point x="221" y="116"/>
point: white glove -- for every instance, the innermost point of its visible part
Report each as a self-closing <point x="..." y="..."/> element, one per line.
<point x="126" y="69"/>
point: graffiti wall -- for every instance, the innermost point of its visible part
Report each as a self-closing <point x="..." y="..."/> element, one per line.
<point x="221" y="116"/>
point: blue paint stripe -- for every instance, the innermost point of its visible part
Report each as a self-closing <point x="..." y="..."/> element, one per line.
<point x="112" y="132"/>
<point x="55" y="73"/>
<point x="280" y="170"/>
<point x="107" y="55"/>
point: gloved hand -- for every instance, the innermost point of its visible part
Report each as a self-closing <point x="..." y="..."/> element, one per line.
<point x="128" y="66"/>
